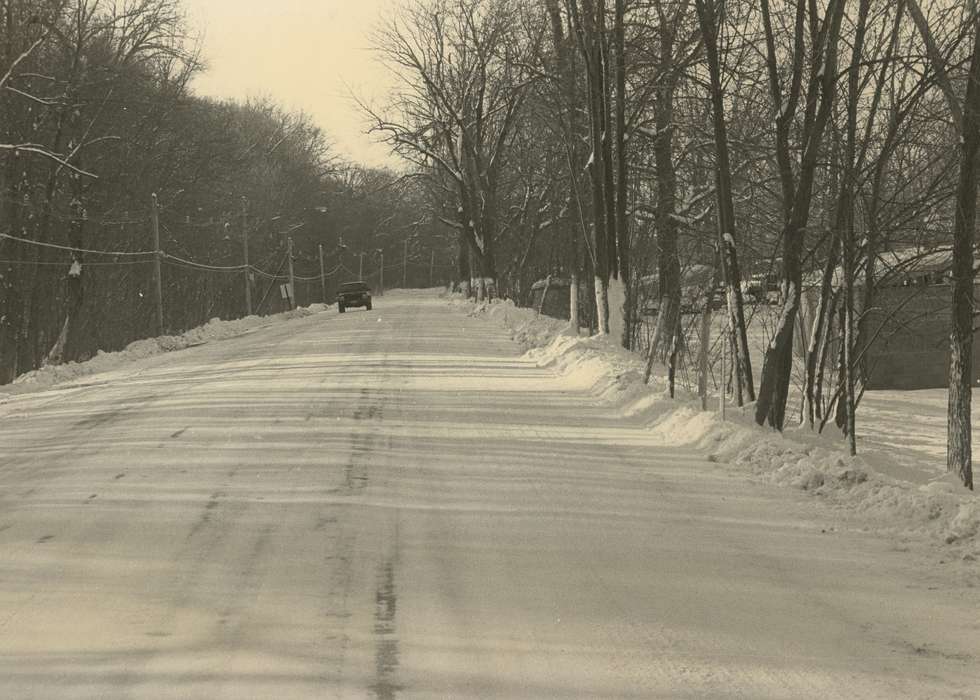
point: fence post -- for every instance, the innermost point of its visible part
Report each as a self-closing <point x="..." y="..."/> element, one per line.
<point x="157" y="272"/>
<point x="248" y="270"/>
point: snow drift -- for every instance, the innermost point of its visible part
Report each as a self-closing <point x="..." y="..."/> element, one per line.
<point x="215" y="329"/>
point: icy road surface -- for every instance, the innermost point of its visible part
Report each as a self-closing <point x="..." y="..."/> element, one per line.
<point x="392" y="504"/>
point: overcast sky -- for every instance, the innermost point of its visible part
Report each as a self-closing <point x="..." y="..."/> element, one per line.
<point x="302" y="53"/>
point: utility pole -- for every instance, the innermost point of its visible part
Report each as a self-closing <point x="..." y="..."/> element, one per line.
<point x="360" y="266"/>
<point x="292" y="277"/>
<point x="157" y="273"/>
<point x="382" y="271"/>
<point x="248" y="270"/>
<point x="432" y="268"/>
<point x="405" y="266"/>
<point x="323" y="278"/>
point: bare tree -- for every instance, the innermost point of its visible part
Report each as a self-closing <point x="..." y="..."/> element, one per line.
<point x="577" y="215"/>
<point x="726" y="207"/>
<point x="96" y="88"/>
<point x="966" y="121"/>
<point x="678" y="49"/>
<point x="465" y="81"/>
<point x="796" y="182"/>
<point x="589" y="22"/>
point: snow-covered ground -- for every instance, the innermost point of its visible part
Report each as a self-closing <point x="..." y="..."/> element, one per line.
<point x="397" y="504"/>
<point x="215" y="329"/>
<point x="904" y="432"/>
<point x="897" y="484"/>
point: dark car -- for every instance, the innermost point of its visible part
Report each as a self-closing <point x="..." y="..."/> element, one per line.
<point x="353" y="294"/>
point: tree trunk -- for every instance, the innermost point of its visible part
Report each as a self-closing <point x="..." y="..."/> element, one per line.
<point x="601" y="306"/>
<point x="840" y="394"/>
<point x="703" y="358"/>
<point x="667" y="339"/>
<point x="668" y="328"/>
<point x="568" y="116"/>
<point x="797" y="194"/>
<point x="573" y="321"/>
<point x="959" y="454"/>
<point x="622" y="268"/>
<point x="590" y="28"/>
<point x="544" y="295"/>
<point x="847" y="221"/>
<point x="463" y="271"/>
<point x="824" y="351"/>
<point x="818" y="328"/>
<point x="488" y="266"/>
<point x="726" y="205"/>
<point x="777" y="364"/>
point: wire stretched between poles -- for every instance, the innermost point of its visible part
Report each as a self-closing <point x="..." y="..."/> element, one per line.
<point x="69" y="249"/>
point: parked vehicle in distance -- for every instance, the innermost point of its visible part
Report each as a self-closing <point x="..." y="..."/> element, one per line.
<point x="353" y="294"/>
<point x="762" y="289"/>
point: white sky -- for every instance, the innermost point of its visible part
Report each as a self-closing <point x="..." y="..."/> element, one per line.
<point x="304" y="54"/>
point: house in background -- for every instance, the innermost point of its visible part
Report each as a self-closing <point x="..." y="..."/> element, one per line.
<point x="908" y="323"/>
<point x="550" y="297"/>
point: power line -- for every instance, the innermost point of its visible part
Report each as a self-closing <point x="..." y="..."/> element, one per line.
<point x="177" y="261"/>
<point x="267" y="275"/>
<point x="203" y="266"/>
<point x="75" y="250"/>
<point x="165" y="257"/>
<point x="65" y="264"/>
<point x="314" y="278"/>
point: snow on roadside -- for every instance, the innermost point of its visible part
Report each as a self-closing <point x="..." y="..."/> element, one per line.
<point x="939" y="509"/>
<point x="528" y="328"/>
<point x="215" y="329"/>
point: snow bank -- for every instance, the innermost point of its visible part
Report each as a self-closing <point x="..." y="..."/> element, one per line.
<point x="215" y="329"/>
<point x="526" y="326"/>
<point x="940" y="509"/>
<point x="870" y="497"/>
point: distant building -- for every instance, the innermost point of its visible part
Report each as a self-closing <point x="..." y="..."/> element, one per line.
<point x="550" y="297"/>
<point x="908" y="323"/>
<point x="695" y="283"/>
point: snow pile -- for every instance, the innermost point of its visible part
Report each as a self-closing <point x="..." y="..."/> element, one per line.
<point x="215" y="329"/>
<point x="595" y="363"/>
<point x="529" y="328"/>
<point x="598" y="364"/>
<point x="939" y="508"/>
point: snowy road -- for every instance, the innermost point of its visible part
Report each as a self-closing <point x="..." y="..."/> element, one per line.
<point x="392" y="504"/>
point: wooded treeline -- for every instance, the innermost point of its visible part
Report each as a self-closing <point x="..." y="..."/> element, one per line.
<point x="790" y="145"/>
<point x="97" y="117"/>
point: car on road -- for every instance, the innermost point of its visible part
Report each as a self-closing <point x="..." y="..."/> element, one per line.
<point x="762" y="289"/>
<point x="353" y="294"/>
